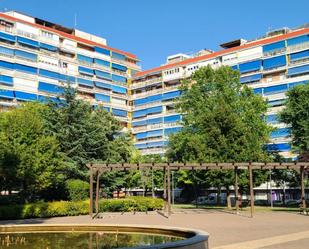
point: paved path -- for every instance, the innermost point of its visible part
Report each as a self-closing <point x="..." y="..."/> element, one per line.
<point x="267" y="230"/>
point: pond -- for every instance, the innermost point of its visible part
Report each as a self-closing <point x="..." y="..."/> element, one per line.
<point x="60" y="240"/>
<point x="90" y="236"/>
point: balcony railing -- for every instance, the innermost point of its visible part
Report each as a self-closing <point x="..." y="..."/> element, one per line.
<point x="274" y="52"/>
<point x="147" y="82"/>
<point x="298" y="47"/>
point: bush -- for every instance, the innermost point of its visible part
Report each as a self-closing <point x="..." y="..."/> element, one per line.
<point x="131" y="204"/>
<point x="70" y="208"/>
<point x="78" y="190"/>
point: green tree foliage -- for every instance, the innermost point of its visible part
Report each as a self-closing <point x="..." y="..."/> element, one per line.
<point x="222" y="122"/>
<point x="296" y="115"/>
<point x="78" y="189"/>
<point x="86" y="135"/>
<point x="30" y="160"/>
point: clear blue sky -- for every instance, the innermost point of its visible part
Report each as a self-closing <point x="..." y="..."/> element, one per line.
<point x="154" y="29"/>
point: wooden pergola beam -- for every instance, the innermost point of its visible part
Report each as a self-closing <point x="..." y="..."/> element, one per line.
<point x="99" y="168"/>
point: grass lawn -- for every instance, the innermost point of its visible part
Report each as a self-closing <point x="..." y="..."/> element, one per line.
<point x="256" y="208"/>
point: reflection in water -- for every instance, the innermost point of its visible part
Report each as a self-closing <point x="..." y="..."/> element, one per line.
<point x="90" y="240"/>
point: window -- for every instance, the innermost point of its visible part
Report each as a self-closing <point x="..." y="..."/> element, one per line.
<point x="47" y="34"/>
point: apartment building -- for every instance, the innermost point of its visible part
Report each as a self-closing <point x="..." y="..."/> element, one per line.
<point x="38" y="58"/>
<point x="270" y="65"/>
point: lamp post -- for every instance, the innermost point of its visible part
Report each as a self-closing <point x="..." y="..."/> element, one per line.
<point x="173" y="188"/>
<point x="271" y="191"/>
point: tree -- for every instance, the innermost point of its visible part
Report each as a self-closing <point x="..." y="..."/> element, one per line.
<point x="85" y="134"/>
<point x="222" y="122"/>
<point x="296" y="115"/>
<point x="30" y="160"/>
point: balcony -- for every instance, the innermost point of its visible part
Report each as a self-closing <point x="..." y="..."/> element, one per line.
<point x="153" y="151"/>
<point x="147" y="93"/>
<point x="139" y="107"/>
<point x="146" y="83"/>
<point x="298" y="47"/>
<point x="274" y="52"/>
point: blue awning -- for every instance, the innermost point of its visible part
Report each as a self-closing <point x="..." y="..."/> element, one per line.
<point x="171" y="95"/>
<point x="141" y="146"/>
<point x="140" y="101"/>
<point x="154" y="98"/>
<point x="48" y="47"/>
<point x="275" y="89"/>
<point x="119" y="67"/>
<point x="84" y="58"/>
<point x="118" y="78"/>
<point x="25" y="96"/>
<point x="7" y="37"/>
<point x="6" y="80"/>
<point x="6" y="51"/>
<point x="298" y="70"/>
<point x="300" y="55"/>
<point x="153" y="110"/>
<point x="279" y="147"/>
<point x="277" y="102"/>
<point x="119" y="112"/>
<point x="84" y="82"/>
<point x="298" y="40"/>
<point x="154" y="121"/>
<point x="235" y="67"/>
<point x="85" y="70"/>
<point x="102" y="85"/>
<point x="272" y="118"/>
<point x="102" y="62"/>
<point x="28" y="42"/>
<point x="304" y="82"/>
<point x="6" y="94"/>
<point x="281" y="132"/>
<point x="155" y="133"/>
<point x="139" y="123"/>
<point x="250" y="66"/>
<point x="50" y="88"/>
<point x="141" y="135"/>
<point x="48" y="74"/>
<point x="118" y="56"/>
<point x="274" y="46"/>
<point x="169" y="131"/>
<point x="102" y="97"/>
<point x="155" y="144"/>
<point x="140" y="113"/>
<point x="258" y="91"/>
<point x="46" y="99"/>
<point x="7" y="65"/>
<point x="119" y="89"/>
<point x="250" y="78"/>
<point x="274" y="62"/>
<point x="103" y="75"/>
<point x="26" y="55"/>
<point x="172" y="119"/>
<point x="24" y="68"/>
<point x="102" y="50"/>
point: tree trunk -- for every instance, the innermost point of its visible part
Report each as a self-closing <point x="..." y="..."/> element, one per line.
<point x="228" y="198"/>
<point x="219" y="196"/>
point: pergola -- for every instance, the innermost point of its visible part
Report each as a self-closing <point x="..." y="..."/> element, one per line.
<point x="97" y="169"/>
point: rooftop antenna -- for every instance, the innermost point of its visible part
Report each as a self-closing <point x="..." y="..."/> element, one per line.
<point x="75" y="20"/>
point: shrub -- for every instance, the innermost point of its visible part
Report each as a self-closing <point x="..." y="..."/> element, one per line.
<point x="78" y="190"/>
<point x="73" y="208"/>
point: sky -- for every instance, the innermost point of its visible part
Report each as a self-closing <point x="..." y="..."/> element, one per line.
<point x="155" y="29"/>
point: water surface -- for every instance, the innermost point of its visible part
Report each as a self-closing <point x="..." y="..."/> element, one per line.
<point x="85" y="240"/>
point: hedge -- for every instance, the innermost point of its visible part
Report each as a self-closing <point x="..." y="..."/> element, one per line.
<point x="70" y="208"/>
